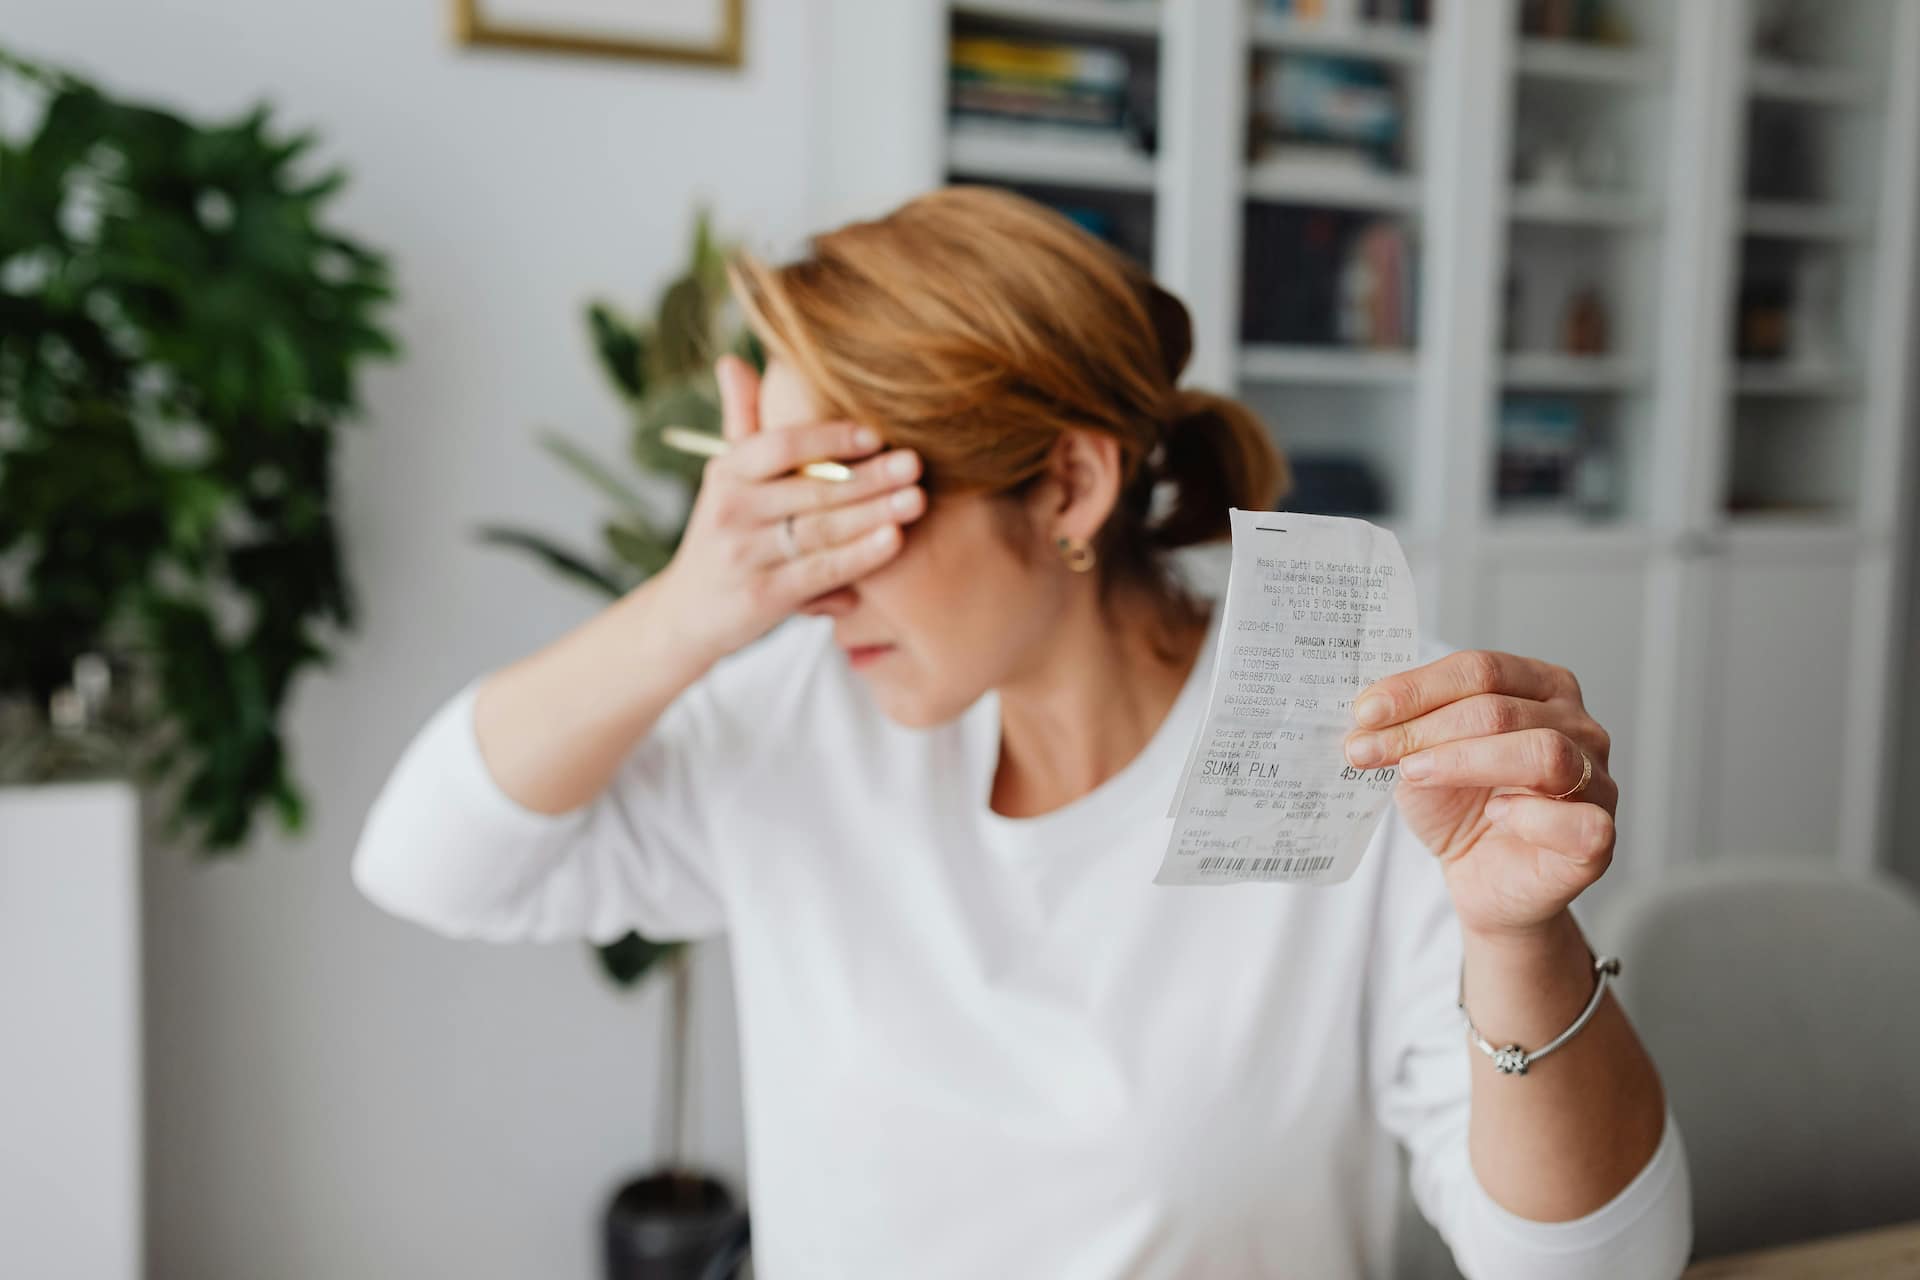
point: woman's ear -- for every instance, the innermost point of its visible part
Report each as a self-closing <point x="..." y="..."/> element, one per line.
<point x="1084" y="474"/>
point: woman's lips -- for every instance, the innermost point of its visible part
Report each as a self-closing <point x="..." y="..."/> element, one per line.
<point x="865" y="655"/>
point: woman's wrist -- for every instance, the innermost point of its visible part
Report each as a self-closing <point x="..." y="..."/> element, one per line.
<point x="1524" y="987"/>
<point x="666" y="624"/>
<point x="1522" y="944"/>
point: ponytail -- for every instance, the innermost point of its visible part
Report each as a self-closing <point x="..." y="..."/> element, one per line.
<point x="1217" y="455"/>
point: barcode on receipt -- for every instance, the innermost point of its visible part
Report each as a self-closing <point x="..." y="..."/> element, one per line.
<point x="1266" y="866"/>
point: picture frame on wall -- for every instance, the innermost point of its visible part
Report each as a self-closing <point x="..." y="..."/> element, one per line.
<point x="699" y="32"/>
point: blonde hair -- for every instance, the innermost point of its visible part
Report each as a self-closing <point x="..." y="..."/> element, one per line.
<point x="975" y="326"/>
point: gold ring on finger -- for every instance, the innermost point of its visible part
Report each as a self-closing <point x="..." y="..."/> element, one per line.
<point x="1586" y="776"/>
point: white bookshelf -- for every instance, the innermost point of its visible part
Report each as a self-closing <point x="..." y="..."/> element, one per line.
<point x="1001" y="153"/>
<point x="1574" y="208"/>
<point x="1792" y="380"/>
<point x="1741" y="654"/>
<point x="1269" y="362"/>
<point x="1096" y="17"/>
<point x="1791" y="220"/>
<point x="1824" y="86"/>
<point x="1375" y="41"/>
<point x="1552" y="371"/>
<point x="1568" y="60"/>
<point x="1289" y="182"/>
<point x="1806" y="536"/>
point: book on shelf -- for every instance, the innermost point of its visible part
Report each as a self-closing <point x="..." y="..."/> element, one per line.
<point x="1330" y="103"/>
<point x="1106" y="219"/>
<point x="1378" y="288"/>
<point x="1587" y="21"/>
<point x="1329" y="277"/>
<point x="1043" y="82"/>
<point x="1092" y="219"/>
<point x="1335" y="484"/>
<point x="1399" y="13"/>
<point x="1550" y="459"/>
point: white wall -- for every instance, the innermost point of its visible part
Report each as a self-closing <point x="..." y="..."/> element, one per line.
<point x="334" y="1094"/>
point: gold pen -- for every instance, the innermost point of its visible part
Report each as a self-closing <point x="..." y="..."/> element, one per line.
<point x="707" y="445"/>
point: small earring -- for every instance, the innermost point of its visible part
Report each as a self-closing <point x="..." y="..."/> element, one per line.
<point x="1076" y="552"/>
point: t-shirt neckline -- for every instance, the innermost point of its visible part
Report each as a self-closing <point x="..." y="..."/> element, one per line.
<point x="1140" y="790"/>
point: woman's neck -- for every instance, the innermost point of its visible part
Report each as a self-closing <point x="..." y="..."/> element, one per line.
<point x="1092" y="703"/>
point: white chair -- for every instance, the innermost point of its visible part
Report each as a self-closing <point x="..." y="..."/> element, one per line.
<point x="1781" y="1002"/>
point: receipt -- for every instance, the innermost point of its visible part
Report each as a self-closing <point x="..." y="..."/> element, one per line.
<point x="1317" y="608"/>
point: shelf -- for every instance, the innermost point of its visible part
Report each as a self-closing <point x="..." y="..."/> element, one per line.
<point x="1568" y="538"/>
<point x="1127" y="17"/>
<point x="1571" y="207"/>
<point x="1327" y="366"/>
<point x="1297" y="182"/>
<point x="1590" y="63"/>
<point x="1553" y="371"/>
<point x="1816" y="86"/>
<point x="1791" y="380"/>
<point x="1815" y="532"/>
<point x="1048" y="156"/>
<point x="1785" y="220"/>
<point x="1565" y="538"/>
<point x="1378" y="42"/>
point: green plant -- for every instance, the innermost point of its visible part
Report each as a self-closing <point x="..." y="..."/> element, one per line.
<point x="662" y="369"/>
<point x="180" y="335"/>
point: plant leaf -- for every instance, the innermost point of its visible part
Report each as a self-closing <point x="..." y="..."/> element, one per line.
<point x="645" y="549"/>
<point x="594" y="472"/>
<point x="621" y="350"/>
<point x="681" y="343"/>
<point x="558" y="558"/>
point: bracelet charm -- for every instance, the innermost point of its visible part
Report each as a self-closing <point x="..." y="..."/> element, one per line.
<point x="1512" y="1059"/>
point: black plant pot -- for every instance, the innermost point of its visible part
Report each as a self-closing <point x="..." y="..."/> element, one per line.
<point x="674" y="1226"/>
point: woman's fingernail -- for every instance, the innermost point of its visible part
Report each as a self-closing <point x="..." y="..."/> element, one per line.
<point x="905" y="502"/>
<point x="866" y="438"/>
<point x="1497" y="808"/>
<point x="1364" y="749"/>
<point x="1371" y="711"/>
<point x="900" y="465"/>
<point x="1416" y="766"/>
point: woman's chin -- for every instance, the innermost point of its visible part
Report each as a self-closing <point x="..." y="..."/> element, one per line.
<point x="911" y="707"/>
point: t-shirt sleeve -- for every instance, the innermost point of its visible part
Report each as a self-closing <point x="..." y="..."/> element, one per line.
<point x="444" y="846"/>
<point x="1420" y="1076"/>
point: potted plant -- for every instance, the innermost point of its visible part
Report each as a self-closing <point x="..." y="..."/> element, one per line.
<point x="675" y="1223"/>
<point x="181" y="331"/>
<point x="180" y="334"/>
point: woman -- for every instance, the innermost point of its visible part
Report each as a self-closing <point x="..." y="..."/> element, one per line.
<point x="978" y="1041"/>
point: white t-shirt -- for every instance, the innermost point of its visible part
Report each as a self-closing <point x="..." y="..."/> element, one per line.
<point x="979" y="1046"/>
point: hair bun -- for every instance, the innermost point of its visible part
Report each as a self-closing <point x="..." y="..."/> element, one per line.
<point x="1218" y="456"/>
<point x="1173" y="328"/>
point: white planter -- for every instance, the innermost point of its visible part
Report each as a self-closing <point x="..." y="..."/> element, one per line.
<point x="70" y="1082"/>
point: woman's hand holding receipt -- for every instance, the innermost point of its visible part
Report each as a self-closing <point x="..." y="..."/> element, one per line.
<point x="1504" y="775"/>
<point x="760" y="543"/>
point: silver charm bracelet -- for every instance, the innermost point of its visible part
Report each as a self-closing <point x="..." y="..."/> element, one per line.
<point x="1514" y="1060"/>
